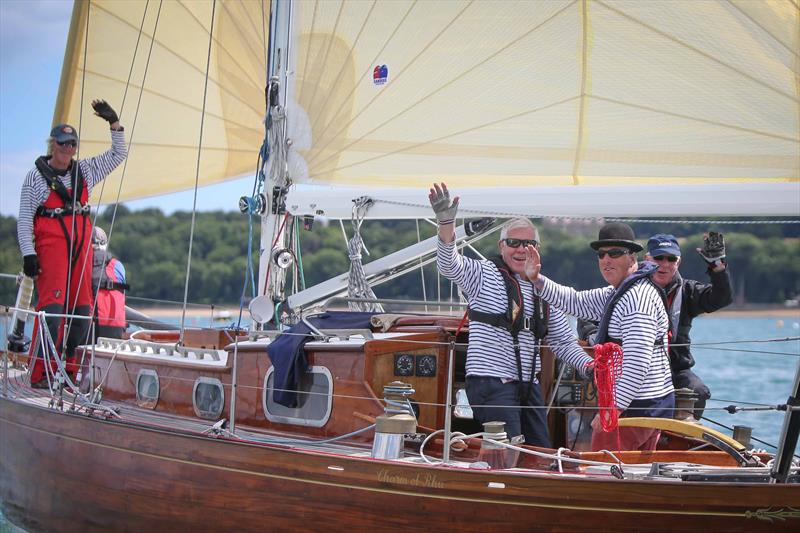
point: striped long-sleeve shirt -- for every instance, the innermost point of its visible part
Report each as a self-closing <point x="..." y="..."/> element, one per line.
<point x="35" y="190"/>
<point x="639" y="319"/>
<point x="491" y="349"/>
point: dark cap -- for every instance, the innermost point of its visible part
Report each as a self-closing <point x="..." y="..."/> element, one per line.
<point x="663" y="244"/>
<point x="617" y="234"/>
<point x="63" y="133"/>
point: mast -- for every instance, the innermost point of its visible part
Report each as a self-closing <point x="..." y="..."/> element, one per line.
<point x="275" y="221"/>
<point x="789" y="433"/>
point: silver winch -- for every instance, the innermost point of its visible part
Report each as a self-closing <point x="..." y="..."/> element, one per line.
<point x="397" y="420"/>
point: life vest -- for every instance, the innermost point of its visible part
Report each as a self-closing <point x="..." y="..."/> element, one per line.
<point x="646" y="271"/>
<point x="515" y="320"/>
<point x="110" y="290"/>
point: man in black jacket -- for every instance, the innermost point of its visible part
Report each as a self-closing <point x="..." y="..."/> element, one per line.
<point x="686" y="299"/>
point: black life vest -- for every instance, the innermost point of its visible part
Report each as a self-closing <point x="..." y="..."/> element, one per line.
<point x="55" y="184"/>
<point x="514" y="319"/>
<point x="646" y="271"/>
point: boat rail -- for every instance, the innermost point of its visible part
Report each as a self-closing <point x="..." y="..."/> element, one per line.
<point x="136" y="346"/>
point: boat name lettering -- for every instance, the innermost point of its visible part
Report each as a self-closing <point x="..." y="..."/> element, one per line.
<point x="420" y="480"/>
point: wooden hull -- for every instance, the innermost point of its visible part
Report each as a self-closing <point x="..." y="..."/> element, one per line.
<point x="74" y="473"/>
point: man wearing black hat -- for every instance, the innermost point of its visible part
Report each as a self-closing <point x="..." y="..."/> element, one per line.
<point x="631" y="314"/>
<point x="507" y="325"/>
<point x="54" y="230"/>
<point x="686" y="299"/>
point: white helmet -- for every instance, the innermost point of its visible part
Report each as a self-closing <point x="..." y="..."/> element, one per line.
<point x="99" y="238"/>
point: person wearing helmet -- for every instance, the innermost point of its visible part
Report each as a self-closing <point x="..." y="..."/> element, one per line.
<point x="108" y="283"/>
<point x="54" y="230"/>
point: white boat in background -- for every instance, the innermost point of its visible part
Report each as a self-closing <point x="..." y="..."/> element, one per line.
<point x="581" y="108"/>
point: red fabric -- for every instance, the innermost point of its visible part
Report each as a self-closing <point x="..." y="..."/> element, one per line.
<point x="53" y="252"/>
<point x="626" y="438"/>
<point x="111" y="303"/>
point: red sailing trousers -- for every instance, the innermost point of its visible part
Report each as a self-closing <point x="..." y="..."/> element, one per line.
<point x="63" y="246"/>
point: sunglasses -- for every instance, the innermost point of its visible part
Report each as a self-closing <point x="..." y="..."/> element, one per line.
<point x="614" y="254"/>
<point x="516" y="243"/>
<point x="670" y="258"/>
<point x="72" y="144"/>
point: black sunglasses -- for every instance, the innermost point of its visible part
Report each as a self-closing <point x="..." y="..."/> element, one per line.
<point x="612" y="253"/>
<point x="73" y="144"/>
<point x="670" y="258"/>
<point x="516" y="243"/>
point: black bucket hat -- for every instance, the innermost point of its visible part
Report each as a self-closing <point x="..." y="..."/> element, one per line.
<point x="617" y="234"/>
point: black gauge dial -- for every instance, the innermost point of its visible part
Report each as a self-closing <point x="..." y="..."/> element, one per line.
<point x="403" y="364"/>
<point x="426" y="365"/>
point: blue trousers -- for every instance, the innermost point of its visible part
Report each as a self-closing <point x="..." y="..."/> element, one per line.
<point x="491" y="400"/>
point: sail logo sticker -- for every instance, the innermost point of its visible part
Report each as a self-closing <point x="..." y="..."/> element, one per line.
<point x="380" y="74"/>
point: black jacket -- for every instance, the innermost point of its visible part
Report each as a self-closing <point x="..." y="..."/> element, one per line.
<point x="697" y="298"/>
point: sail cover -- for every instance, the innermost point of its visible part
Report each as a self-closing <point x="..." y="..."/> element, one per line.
<point x="560" y="95"/>
<point x="149" y="60"/>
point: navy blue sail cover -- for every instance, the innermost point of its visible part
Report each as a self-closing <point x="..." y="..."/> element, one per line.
<point x="288" y="355"/>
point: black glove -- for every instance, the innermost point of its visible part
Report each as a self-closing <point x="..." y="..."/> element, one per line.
<point x="104" y="111"/>
<point x="30" y="265"/>
<point x="713" y="249"/>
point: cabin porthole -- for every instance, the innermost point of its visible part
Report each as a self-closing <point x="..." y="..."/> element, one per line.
<point x="314" y="400"/>
<point x="208" y="398"/>
<point x="147" y="388"/>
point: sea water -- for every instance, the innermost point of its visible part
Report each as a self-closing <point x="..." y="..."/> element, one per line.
<point x="745" y="360"/>
<point x="747" y="374"/>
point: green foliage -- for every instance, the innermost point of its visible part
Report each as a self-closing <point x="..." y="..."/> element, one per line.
<point x="764" y="260"/>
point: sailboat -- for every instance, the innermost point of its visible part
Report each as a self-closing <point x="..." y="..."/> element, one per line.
<point x="551" y="108"/>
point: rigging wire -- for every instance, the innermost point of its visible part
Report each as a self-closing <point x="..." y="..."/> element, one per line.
<point x="508" y="214"/>
<point x="130" y="138"/>
<point x="67" y="323"/>
<point x="197" y="171"/>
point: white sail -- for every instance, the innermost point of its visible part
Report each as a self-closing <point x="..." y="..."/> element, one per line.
<point x="573" y="104"/>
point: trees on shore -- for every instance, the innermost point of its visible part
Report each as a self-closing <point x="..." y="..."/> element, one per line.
<point x="764" y="260"/>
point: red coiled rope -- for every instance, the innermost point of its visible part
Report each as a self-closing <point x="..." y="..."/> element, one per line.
<point x="607" y="370"/>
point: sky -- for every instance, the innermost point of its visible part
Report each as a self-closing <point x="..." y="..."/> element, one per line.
<point x="33" y="36"/>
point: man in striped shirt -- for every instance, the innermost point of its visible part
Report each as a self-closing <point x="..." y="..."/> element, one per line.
<point x="501" y="380"/>
<point x="632" y="314"/>
<point x="54" y="230"/>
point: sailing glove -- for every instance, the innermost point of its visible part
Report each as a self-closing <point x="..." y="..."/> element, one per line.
<point x="440" y="201"/>
<point x="105" y="111"/>
<point x="713" y="250"/>
<point x="30" y="265"/>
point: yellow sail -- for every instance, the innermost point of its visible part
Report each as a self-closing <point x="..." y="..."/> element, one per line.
<point x="149" y="60"/>
<point x="541" y="94"/>
<point x="548" y="93"/>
